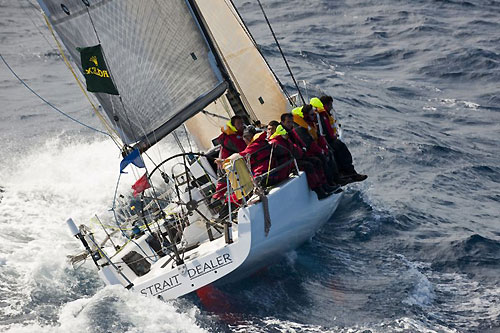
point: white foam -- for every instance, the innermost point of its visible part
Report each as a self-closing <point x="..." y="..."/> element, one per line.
<point x="429" y="108"/>
<point x="453" y="102"/>
<point x="467" y="302"/>
<point x="403" y="324"/>
<point x="43" y="187"/>
<point x="291" y="258"/>
<point x="116" y="309"/>
<point x="470" y="105"/>
<point x="422" y="293"/>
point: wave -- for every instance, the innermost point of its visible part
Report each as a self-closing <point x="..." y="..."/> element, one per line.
<point x="474" y="251"/>
<point x="114" y="309"/>
<point x="42" y="187"/>
<point x="465" y="63"/>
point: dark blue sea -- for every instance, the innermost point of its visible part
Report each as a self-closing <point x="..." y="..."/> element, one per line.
<point x="415" y="248"/>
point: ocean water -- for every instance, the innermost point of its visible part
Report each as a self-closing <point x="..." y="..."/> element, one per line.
<point x="415" y="248"/>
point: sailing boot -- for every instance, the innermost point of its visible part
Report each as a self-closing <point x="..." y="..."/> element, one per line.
<point x="320" y="193"/>
<point x="352" y="177"/>
<point x="331" y="188"/>
<point x="358" y="177"/>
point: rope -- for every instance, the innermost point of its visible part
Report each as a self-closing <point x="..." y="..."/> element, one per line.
<point x="80" y="85"/>
<point x="50" y="104"/>
<point x="281" y="51"/>
<point x="35" y="9"/>
<point x="187" y="136"/>
<point x="113" y="209"/>
<point x="269" y="166"/>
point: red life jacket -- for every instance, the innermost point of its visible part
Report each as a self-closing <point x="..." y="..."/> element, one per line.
<point x="260" y="152"/>
<point x="328" y="128"/>
<point x="284" y="151"/>
<point x="231" y="142"/>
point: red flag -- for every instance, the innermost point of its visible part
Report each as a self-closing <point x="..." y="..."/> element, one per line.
<point x="140" y="185"/>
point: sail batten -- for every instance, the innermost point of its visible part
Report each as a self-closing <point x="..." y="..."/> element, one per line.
<point x="159" y="58"/>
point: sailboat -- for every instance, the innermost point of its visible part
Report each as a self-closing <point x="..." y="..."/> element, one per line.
<point x="189" y="63"/>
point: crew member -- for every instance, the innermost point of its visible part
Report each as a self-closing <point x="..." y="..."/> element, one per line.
<point x="284" y="151"/>
<point x="231" y="141"/>
<point x="231" y="138"/>
<point x="324" y="106"/>
<point x="258" y="151"/>
<point x="305" y="134"/>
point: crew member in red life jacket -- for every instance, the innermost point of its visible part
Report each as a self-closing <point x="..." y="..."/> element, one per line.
<point x="231" y="141"/>
<point x="284" y="151"/>
<point x="323" y="107"/>
<point x="313" y="166"/>
<point x="231" y="138"/>
<point x="305" y="134"/>
<point x="258" y="151"/>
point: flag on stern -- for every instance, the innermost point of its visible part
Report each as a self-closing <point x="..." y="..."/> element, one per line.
<point x="95" y="70"/>
<point x="141" y="185"/>
<point x="135" y="158"/>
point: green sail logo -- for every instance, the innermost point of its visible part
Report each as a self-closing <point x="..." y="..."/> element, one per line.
<point x="96" y="71"/>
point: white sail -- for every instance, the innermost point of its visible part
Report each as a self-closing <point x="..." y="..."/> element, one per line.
<point x="158" y="56"/>
<point x="259" y="91"/>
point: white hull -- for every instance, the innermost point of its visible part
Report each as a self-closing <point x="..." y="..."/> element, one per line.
<point x="296" y="214"/>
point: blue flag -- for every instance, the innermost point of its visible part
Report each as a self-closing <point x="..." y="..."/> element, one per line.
<point x="134" y="158"/>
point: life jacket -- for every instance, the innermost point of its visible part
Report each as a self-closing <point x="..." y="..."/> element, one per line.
<point x="306" y="135"/>
<point x="284" y="151"/>
<point x="258" y="152"/>
<point x="298" y="118"/>
<point x="231" y="141"/>
<point x="327" y="121"/>
<point x="280" y="138"/>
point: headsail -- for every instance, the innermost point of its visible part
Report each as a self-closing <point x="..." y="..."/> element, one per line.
<point x="254" y="81"/>
<point x="160" y="60"/>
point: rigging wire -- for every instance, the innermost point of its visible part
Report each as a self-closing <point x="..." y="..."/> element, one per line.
<point x="80" y="85"/>
<point x="33" y="7"/>
<point x="92" y="21"/>
<point x="215" y="115"/>
<point x="178" y="141"/>
<point x="113" y="209"/>
<point x="281" y="51"/>
<point x="50" y="104"/>
<point x="62" y="56"/>
<point x="187" y="136"/>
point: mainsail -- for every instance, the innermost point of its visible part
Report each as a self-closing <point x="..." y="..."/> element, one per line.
<point x="159" y="58"/>
<point x="259" y="91"/>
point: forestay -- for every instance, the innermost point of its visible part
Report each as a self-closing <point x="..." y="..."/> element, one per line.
<point x="158" y="57"/>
